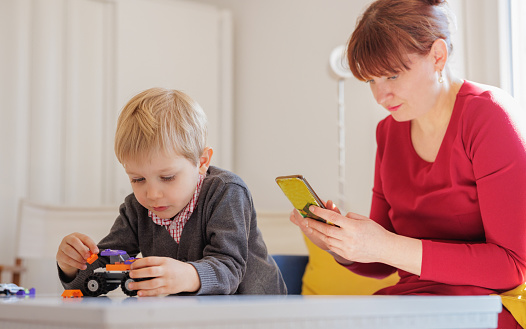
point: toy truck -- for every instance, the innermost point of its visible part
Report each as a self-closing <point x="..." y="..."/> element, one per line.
<point x="115" y="274"/>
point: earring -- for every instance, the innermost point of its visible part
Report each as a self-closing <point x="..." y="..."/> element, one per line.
<point x="440" y="79"/>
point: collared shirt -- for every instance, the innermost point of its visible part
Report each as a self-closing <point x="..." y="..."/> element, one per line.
<point x="176" y="224"/>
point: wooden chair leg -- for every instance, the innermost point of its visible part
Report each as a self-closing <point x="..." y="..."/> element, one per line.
<point x="16" y="274"/>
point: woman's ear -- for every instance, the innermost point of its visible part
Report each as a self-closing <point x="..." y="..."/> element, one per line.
<point x="439" y="53"/>
<point x="204" y="160"/>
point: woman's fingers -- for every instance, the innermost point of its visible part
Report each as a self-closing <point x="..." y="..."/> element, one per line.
<point x="330" y="216"/>
<point x="331" y="206"/>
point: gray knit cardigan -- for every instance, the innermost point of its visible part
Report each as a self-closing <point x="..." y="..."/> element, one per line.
<point x="221" y="240"/>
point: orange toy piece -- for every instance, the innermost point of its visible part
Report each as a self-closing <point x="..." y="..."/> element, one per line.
<point x="120" y="266"/>
<point x="72" y="293"/>
<point x="93" y="257"/>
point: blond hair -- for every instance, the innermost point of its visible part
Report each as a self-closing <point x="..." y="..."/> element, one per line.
<point x="161" y="120"/>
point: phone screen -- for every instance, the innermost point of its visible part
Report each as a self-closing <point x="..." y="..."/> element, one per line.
<point x="300" y="194"/>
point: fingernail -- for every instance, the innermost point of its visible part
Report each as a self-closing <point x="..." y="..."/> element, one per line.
<point x="311" y="208"/>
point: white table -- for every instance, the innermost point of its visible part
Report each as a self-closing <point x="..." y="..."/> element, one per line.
<point x="251" y="312"/>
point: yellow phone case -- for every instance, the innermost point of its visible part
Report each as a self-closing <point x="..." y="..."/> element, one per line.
<point x="300" y="194"/>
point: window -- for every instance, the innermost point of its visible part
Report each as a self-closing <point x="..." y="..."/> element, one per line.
<point x="517" y="27"/>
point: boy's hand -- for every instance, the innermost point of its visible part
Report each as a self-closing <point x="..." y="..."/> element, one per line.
<point x="165" y="276"/>
<point x="73" y="252"/>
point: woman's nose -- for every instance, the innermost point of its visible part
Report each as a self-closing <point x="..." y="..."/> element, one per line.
<point x="382" y="93"/>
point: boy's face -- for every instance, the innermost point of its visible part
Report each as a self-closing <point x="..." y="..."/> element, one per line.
<point x="164" y="183"/>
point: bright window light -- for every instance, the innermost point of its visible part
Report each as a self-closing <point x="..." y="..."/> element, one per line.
<point x="518" y="50"/>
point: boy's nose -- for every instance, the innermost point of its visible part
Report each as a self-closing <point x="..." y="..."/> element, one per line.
<point x="153" y="192"/>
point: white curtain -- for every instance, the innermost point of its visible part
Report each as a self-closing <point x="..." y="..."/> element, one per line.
<point x="68" y="67"/>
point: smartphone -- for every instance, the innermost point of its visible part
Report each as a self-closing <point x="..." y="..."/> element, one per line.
<point x="300" y="194"/>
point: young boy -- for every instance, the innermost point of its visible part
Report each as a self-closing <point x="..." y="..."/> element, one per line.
<point x="194" y="224"/>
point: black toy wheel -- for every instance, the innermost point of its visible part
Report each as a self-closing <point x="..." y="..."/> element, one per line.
<point x="112" y="286"/>
<point x="124" y="285"/>
<point x="95" y="285"/>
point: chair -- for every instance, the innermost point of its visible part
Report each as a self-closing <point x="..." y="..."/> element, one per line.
<point x="292" y="268"/>
<point x="15" y="270"/>
<point x="40" y="230"/>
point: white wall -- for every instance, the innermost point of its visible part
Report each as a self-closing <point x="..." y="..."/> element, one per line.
<point x="479" y="21"/>
<point x="14" y="38"/>
<point x="69" y="66"/>
<point x="286" y="101"/>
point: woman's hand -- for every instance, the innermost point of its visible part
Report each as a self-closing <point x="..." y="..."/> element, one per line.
<point x="360" y="239"/>
<point x="355" y="237"/>
<point x="303" y="224"/>
<point x="165" y="276"/>
<point x="73" y="252"/>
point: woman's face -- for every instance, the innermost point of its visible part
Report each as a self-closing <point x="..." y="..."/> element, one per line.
<point x="410" y="94"/>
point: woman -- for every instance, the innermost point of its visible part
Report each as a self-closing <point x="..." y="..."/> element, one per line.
<point x="448" y="210"/>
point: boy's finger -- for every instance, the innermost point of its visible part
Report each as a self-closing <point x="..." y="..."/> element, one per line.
<point x="147" y="262"/>
<point x="78" y="265"/>
<point x="88" y="242"/>
<point x="149" y="292"/>
<point x="76" y="262"/>
<point x="145" y="284"/>
<point x="74" y="245"/>
<point x="72" y="253"/>
<point x="142" y="273"/>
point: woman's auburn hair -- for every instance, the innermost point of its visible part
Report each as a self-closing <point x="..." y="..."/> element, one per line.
<point x="161" y="120"/>
<point x="390" y="30"/>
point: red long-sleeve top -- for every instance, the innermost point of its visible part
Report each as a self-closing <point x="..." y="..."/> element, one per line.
<point x="468" y="206"/>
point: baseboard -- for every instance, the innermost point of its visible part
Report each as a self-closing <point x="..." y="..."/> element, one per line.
<point x="281" y="236"/>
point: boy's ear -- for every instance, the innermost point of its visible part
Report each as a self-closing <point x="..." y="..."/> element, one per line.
<point x="204" y="160"/>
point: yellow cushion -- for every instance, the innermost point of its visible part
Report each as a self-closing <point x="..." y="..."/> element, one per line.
<point x="324" y="276"/>
<point x="515" y="301"/>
